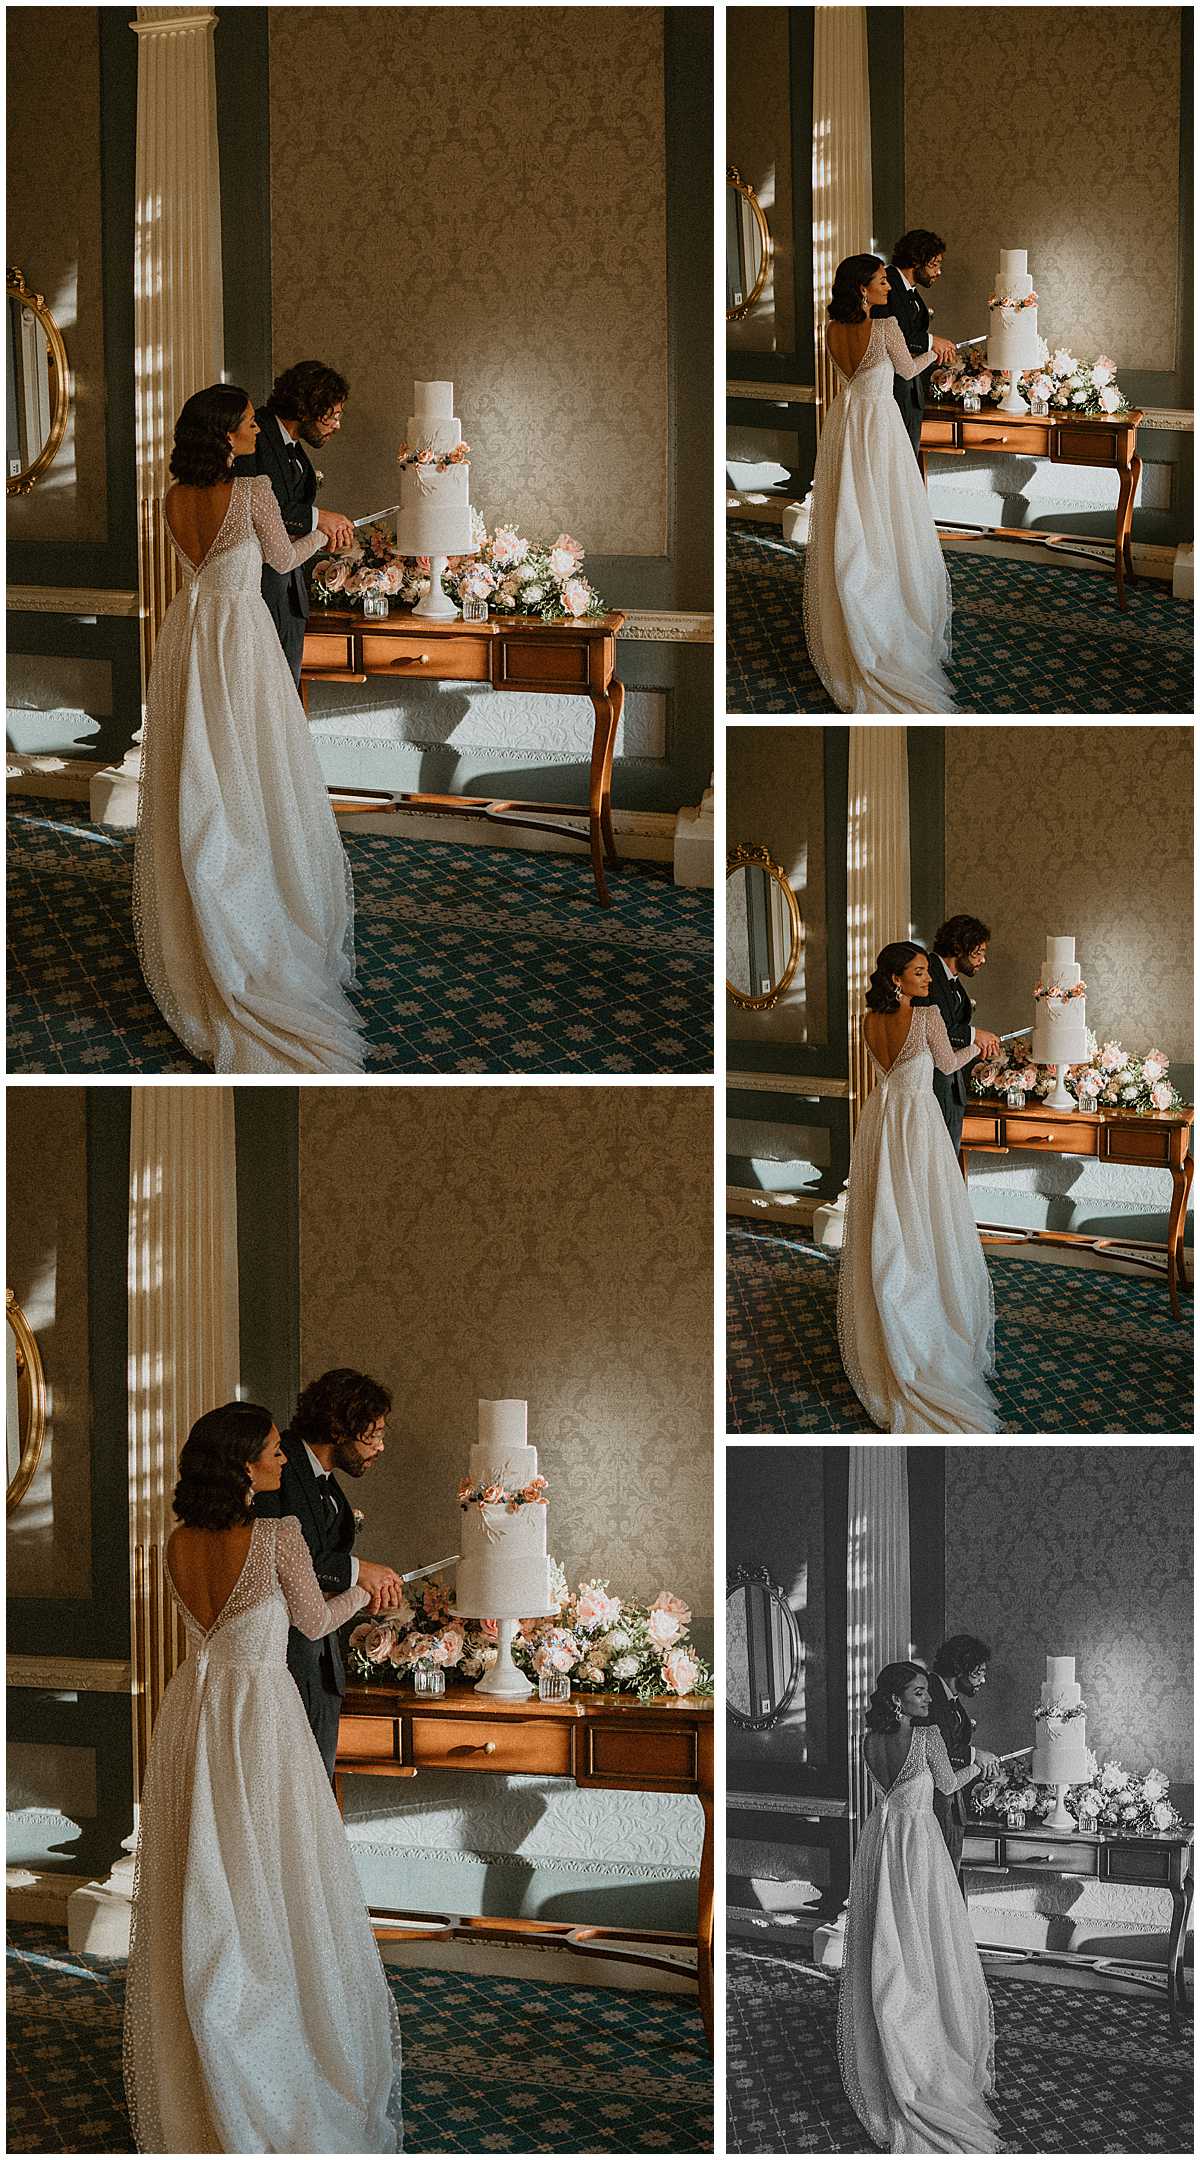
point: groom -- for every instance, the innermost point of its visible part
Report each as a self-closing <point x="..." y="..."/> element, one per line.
<point x="338" y="1425"/>
<point x="959" y="951"/>
<point x="916" y="262"/>
<point x="960" y="1670"/>
<point x="306" y="403"/>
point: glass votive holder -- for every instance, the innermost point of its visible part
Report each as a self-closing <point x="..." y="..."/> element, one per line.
<point x="429" y="1680"/>
<point x="1014" y="1098"/>
<point x="1014" y="1818"/>
<point x="1039" y="408"/>
<point x="972" y="402"/>
<point x="375" y="603"/>
<point x="474" y="610"/>
<point x="554" y="1686"/>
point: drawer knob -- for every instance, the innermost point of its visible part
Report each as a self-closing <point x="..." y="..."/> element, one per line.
<point x="489" y="1747"/>
<point x="420" y="659"/>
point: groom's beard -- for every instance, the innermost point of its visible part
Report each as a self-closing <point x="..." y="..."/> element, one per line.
<point x="348" y="1460"/>
<point x="965" y="968"/>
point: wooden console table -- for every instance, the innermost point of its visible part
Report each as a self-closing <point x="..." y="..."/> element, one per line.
<point x="508" y="652"/>
<point x="1156" y="1139"/>
<point x="612" y="1741"/>
<point x="1064" y="438"/>
<point x="1163" y="1863"/>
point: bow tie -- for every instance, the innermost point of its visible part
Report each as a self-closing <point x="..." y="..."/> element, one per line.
<point x="294" y="451"/>
<point x="326" y="1486"/>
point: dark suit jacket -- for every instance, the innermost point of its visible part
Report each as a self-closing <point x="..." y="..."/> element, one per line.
<point x="295" y="485"/>
<point x="329" y="1539"/>
<point x="912" y="315"/>
<point x="957" y="1729"/>
<point x="954" y="1003"/>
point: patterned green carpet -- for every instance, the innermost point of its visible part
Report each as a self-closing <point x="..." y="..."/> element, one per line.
<point x="1077" y="1350"/>
<point x="489" y="2065"/>
<point x="1028" y="637"/>
<point x="478" y="960"/>
<point x="1076" y="2072"/>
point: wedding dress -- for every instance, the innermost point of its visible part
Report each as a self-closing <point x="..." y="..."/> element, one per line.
<point x="257" y="2014"/>
<point x="242" y="900"/>
<point x="915" y="2033"/>
<point x="876" y="589"/>
<point x="915" y="1312"/>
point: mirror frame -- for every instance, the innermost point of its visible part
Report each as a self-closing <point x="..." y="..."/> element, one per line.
<point x="744" y="1578"/>
<point x="734" y="179"/>
<point x="746" y="857"/>
<point x="31" y="1386"/>
<point x="21" y="483"/>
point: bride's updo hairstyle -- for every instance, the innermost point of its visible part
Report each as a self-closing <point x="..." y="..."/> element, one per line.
<point x="846" y="301"/>
<point x="882" y="1714"/>
<point x="212" y="1492"/>
<point x="882" y="994"/>
<point x="201" y="454"/>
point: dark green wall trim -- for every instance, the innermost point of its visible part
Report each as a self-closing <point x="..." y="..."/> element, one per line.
<point x="98" y="1626"/>
<point x="115" y="638"/>
<point x="244" y="146"/>
<point x="829" y="1058"/>
<point x="267" y="1128"/>
<point x="926" y="1473"/>
<point x="927" y="829"/>
<point x="885" y="82"/>
<point x="110" y="563"/>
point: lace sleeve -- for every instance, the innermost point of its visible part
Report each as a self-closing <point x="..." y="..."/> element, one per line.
<point x="277" y="549"/>
<point x="944" y="1057"/>
<point x="307" y="1607"/>
<point x="945" y="1776"/>
<point x="898" y="353"/>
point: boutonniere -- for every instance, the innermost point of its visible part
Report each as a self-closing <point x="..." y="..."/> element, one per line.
<point x="359" y="1517"/>
<point x="320" y="477"/>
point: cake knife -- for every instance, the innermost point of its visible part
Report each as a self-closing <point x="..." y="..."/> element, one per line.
<point x="416" y="1574"/>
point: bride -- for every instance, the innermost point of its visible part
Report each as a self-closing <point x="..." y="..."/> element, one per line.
<point x="243" y="905"/>
<point x="876" y="589"/>
<point x="915" y="1312"/>
<point x="258" y="2017"/>
<point x="915" y="2032"/>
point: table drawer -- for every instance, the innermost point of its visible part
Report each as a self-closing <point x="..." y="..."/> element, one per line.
<point x="1126" y="1142"/>
<point x="934" y="432"/>
<point x="618" y="1755"/>
<point x="369" y="1739"/>
<point x="1084" y="446"/>
<point x="1139" y="1864"/>
<point x="1066" y="1136"/>
<point x="325" y="648"/>
<point x="535" y="1744"/>
<point x="447" y="659"/>
<point x="982" y="1128"/>
<point x="1051" y="1856"/>
<point x="994" y="435"/>
<point x="558" y="663"/>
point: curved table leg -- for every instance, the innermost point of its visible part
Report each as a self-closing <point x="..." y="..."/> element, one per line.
<point x="1181" y="1903"/>
<point x="1181" y="1273"/>
<point x="1181" y="1180"/>
<point x="616" y="692"/>
<point x="602" y="707"/>
<point x="1123" y="553"/>
<point x="704" y="1899"/>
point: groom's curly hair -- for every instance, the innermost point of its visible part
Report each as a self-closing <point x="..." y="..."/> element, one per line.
<point x="307" y="391"/>
<point x="341" y="1405"/>
<point x="959" y="935"/>
<point x="212" y="1493"/>
<point x="917" y="247"/>
<point x="959" y="1655"/>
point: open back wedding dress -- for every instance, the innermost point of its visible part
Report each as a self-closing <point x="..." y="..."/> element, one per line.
<point x="242" y="900"/>
<point x="915" y="2032"/>
<point x="876" y="589"/>
<point x="915" y="1312"/>
<point x="257" y="2014"/>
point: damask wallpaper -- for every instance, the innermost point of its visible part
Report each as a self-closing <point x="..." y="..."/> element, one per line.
<point x="479" y="194"/>
<point x="1084" y="833"/>
<point x="1082" y="1552"/>
<point x="53" y="218"/>
<point x="776" y="799"/>
<point x="1064" y="143"/>
<point x="548" y="1243"/>
<point x="758" y="74"/>
<point x="48" y="1542"/>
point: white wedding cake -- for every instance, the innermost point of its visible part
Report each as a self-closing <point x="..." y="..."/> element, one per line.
<point x="434" y="517"/>
<point x="1060" y="1021"/>
<point x="1060" y="1755"/>
<point x="1013" y="341"/>
<point x="503" y="1570"/>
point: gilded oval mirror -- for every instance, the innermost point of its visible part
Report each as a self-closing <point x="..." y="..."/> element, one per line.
<point x="26" y="1407"/>
<point x="762" y="928"/>
<point x="762" y="1649"/>
<point x="39" y="386"/>
<point x="747" y="246"/>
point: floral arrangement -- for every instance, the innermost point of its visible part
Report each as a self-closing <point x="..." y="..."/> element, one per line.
<point x="1062" y="382"/>
<point x="524" y="577"/>
<point x="1113" y="1799"/>
<point x="371" y="565"/>
<point x="1057" y="1714"/>
<point x="1006" y="300"/>
<point x="430" y="460"/>
<point x="495" y="1494"/>
<point x="1109" y="1078"/>
<point x="1055" y="990"/>
<point x="602" y="1642"/>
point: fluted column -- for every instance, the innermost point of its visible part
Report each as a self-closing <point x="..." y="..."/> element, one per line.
<point x="842" y="223"/>
<point x="878" y="886"/>
<point x="178" y="331"/>
<point x="878" y="1594"/>
<point x="183" y="1342"/>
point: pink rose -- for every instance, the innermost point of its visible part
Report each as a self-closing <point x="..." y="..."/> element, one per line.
<point x="662" y="1627"/>
<point x="333" y="575"/>
<point x="508" y="548"/>
<point x="1110" y="401"/>
<point x="490" y="1628"/>
<point x="565" y="556"/>
<point x="1161" y="1094"/>
<point x="1154" y="1065"/>
<point x="493" y="1495"/>
<point x="680" y="1671"/>
<point x="1103" y="371"/>
<point x="576" y="596"/>
<point x="533" y="1492"/>
<point x="392" y="578"/>
<point x="378" y="1644"/>
<point x="667" y="1602"/>
<point x="464" y="1490"/>
<point x="596" y="1609"/>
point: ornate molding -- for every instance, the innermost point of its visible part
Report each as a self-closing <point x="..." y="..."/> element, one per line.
<point x="803" y="1085"/>
<point x="528" y="1863"/>
<point x="87" y="1676"/>
<point x="69" y="600"/>
<point x="773" y="393"/>
<point x="1172" y="419"/>
<point x="784" y="1804"/>
<point x="668" y="626"/>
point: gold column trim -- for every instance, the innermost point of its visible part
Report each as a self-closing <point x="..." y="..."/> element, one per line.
<point x="69" y="600"/>
<point x="801" y="1084"/>
<point x="88" y="1676"/>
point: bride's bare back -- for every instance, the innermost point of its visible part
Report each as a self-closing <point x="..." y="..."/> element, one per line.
<point x="205" y="1566"/>
<point x="196" y="515"/>
<point x="848" y="343"/>
<point x="885" y="1034"/>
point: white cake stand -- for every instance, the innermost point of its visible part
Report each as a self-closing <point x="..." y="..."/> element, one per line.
<point x="437" y="602"/>
<point x="1059" y="1818"/>
<point x="505" y="1677"/>
<point x="1012" y="401"/>
<point x="1058" y="1098"/>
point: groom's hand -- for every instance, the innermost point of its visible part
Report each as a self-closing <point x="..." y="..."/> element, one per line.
<point x="987" y="1042"/>
<point x="338" y="530"/>
<point x="985" y="1758"/>
<point x="385" y="1586"/>
<point x="944" y="347"/>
